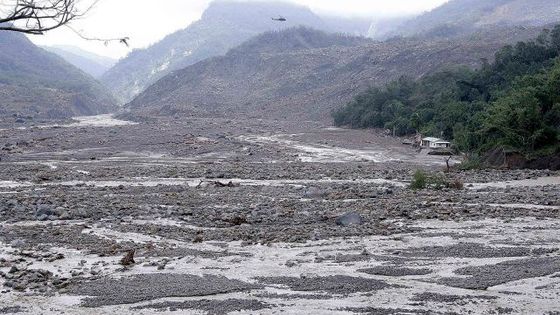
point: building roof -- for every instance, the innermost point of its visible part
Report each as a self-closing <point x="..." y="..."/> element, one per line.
<point x="443" y="142"/>
<point x="431" y="139"/>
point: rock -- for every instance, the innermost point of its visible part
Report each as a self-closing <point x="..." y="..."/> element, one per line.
<point x="65" y="216"/>
<point x="43" y="217"/>
<point x="56" y="257"/>
<point x="17" y="243"/>
<point x="82" y="213"/>
<point x="44" y="212"/>
<point x="76" y="273"/>
<point x="315" y="192"/>
<point x="291" y="263"/>
<point x="351" y="218"/>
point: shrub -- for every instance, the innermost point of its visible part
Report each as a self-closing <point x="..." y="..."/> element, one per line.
<point x="472" y="162"/>
<point x="419" y="181"/>
<point x="437" y="182"/>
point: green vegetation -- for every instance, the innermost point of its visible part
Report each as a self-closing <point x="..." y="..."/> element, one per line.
<point x="421" y="180"/>
<point x="512" y="103"/>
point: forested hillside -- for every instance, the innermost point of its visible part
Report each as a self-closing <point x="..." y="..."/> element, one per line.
<point x="512" y="103"/>
<point x="303" y="74"/>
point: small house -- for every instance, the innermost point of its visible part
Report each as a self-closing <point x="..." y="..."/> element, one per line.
<point x="435" y="143"/>
<point x="443" y="144"/>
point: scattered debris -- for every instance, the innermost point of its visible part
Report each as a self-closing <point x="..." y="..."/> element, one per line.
<point x="128" y="258"/>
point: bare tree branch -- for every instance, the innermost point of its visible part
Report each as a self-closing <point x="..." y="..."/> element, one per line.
<point x="122" y="40"/>
<point x="39" y="16"/>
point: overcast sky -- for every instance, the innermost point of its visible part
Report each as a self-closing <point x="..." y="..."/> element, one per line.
<point x="146" y="23"/>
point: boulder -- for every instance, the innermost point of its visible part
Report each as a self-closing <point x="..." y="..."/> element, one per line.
<point x="348" y="219"/>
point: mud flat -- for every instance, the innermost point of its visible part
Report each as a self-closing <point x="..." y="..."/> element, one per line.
<point x="254" y="217"/>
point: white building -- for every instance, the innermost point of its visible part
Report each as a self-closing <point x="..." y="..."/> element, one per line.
<point x="435" y="143"/>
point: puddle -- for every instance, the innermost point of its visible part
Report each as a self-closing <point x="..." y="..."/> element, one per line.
<point x="317" y="153"/>
<point x="537" y="182"/>
<point x="501" y="205"/>
<point x="321" y="153"/>
<point x="198" y="182"/>
<point x="104" y="120"/>
<point x="317" y="260"/>
<point x="13" y="184"/>
<point x="147" y="159"/>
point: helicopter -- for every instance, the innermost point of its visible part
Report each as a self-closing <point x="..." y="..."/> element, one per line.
<point x="280" y="19"/>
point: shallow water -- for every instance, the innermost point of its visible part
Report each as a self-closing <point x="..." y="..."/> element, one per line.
<point x="536" y="182"/>
<point x="105" y="120"/>
<point x="316" y="259"/>
<point x="317" y="153"/>
<point x="194" y="182"/>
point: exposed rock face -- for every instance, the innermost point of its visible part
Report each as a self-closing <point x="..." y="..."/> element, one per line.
<point x="303" y="74"/>
<point x="223" y="26"/>
<point x="36" y="83"/>
<point x="504" y="159"/>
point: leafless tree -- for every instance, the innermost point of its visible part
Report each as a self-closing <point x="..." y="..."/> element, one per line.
<point x="447" y="163"/>
<point x="39" y="16"/>
<point x="36" y="16"/>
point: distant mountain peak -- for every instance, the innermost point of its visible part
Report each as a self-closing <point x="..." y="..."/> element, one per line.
<point x="223" y="26"/>
<point x="457" y="17"/>
<point x="303" y="74"/>
<point x="88" y="62"/>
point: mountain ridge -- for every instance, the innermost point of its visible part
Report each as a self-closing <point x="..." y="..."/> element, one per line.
<point x="88" y="62"/>
<point x="305" y="83"/>
<point x="223" y="26"/>
<point x="460" y="17"/>
<point x="37" y="83"/>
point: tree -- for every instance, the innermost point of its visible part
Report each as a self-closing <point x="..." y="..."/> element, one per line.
<point x="39" y="16"/>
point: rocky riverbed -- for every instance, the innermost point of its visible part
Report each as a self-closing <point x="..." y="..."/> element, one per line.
<point x="263" y="217"/>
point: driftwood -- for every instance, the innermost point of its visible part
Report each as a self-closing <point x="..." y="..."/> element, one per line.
<point x="128" y="258"/>
<point x="447" y="163"/>
<point x="218" y="184"/>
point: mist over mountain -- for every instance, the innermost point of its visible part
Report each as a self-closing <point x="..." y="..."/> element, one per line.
<point x="274" y="160"/>
<point x="458" y="17"/>
<point x="223" y="26"/>
<point x="37" y="83"/>
<point x="355" y="26"/>
<point x="92" y="64"/>
<point x="304" y="74"/>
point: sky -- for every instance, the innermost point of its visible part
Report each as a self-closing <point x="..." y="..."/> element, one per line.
<point x="146" y="22"/>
